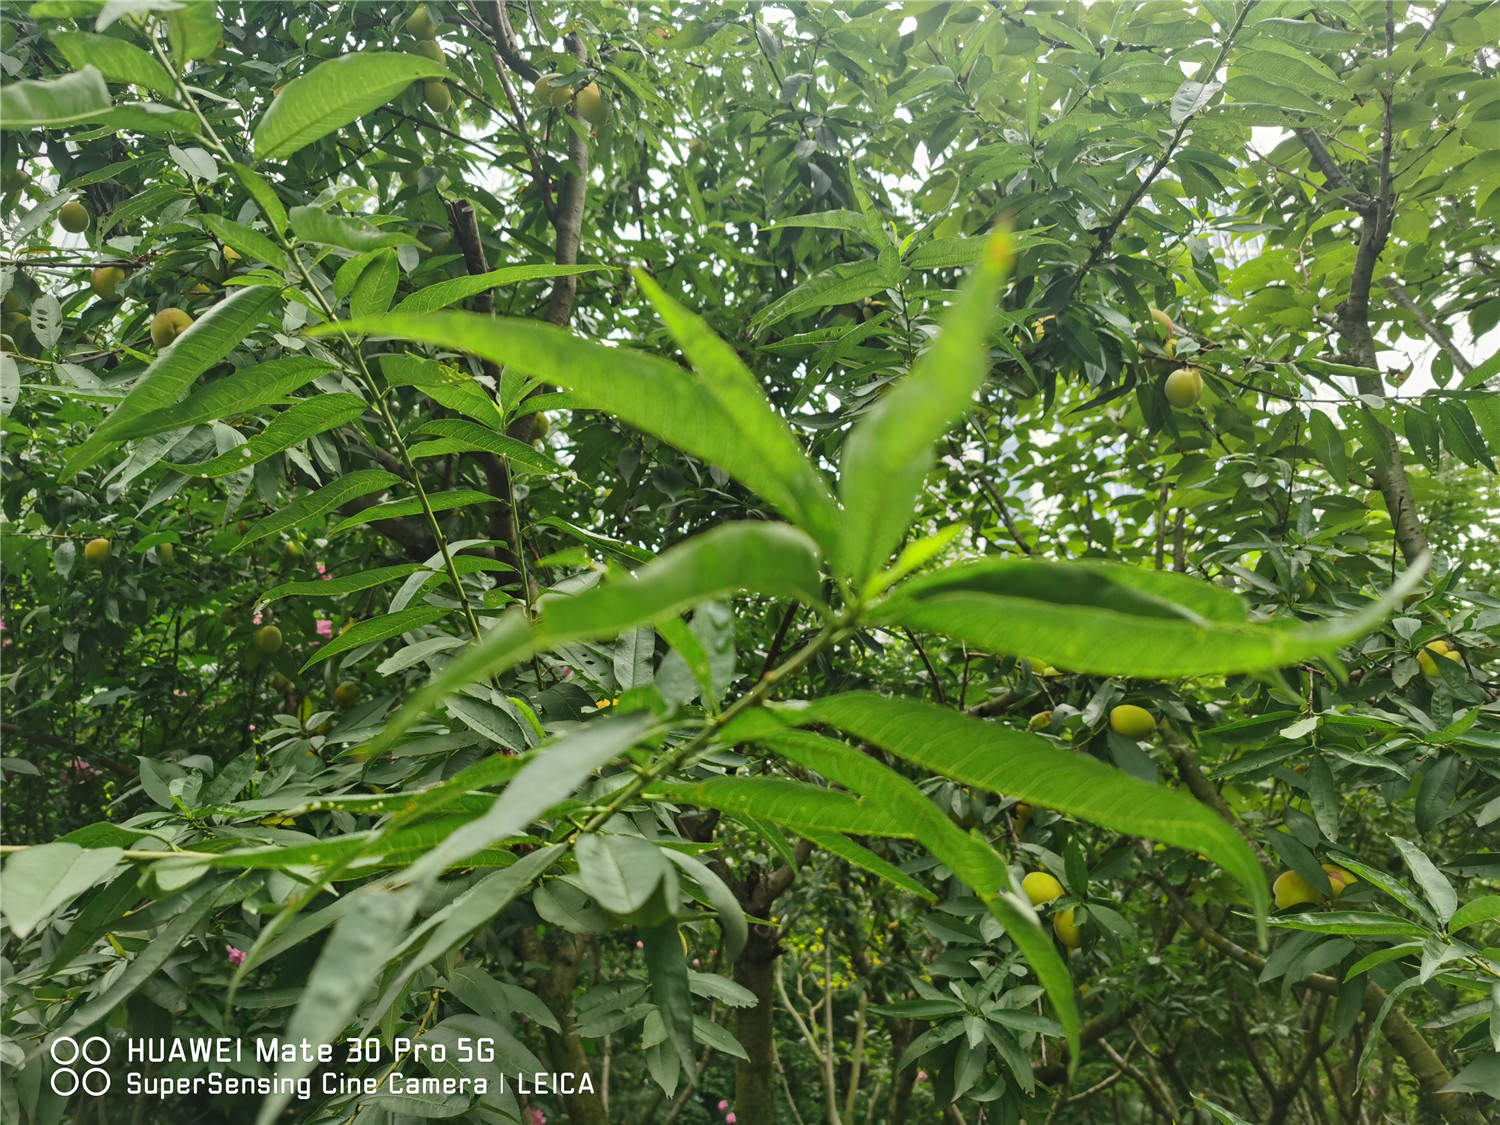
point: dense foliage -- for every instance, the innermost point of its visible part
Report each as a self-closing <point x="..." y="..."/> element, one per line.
<point x="847" y="562"/>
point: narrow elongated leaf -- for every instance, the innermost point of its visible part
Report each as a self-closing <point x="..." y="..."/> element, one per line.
<point x="798" y="806"/>
<point x="861" y="856"/>
<point x="1435" y="886"/>
<point x="325" y="499"/>
<point x="745" y="403"/>
<point x="117" y="60"/>
<point x="437" y="501"/>
<point x="376" y="285"/>
<point x="551" y="776"/>
<point x="206" y="341"/>
<point x="769" y="559"/>
<point x="990" y="756"/>
<point x="1107" y="619"/>
<point x="889" y="452"/>
<point x="840" y="285"/>
<point x="338" y="587"/>
<point x="967" y="855"/>
<point x="264" y="195"/>
<point x="313" y="224"/>
<point x="643" y="390"/>
<point x="444" y="293"/>
<point x="473" y="435"/>
<point x="245" y="390"/>
<point x="73" y="98"/>
<point x="444" y="383"/>
<point x="351" y="959"/>
<point x="1471" y="913"/>
<point x="666" y="966"/>
<point x="378" y="629"/>
<point x="720" y="897"/>
<point x="38" y="880"/>
<point x="296" y="424"/>
<point x="333" y="94"/>
<point x="250" y="243"/>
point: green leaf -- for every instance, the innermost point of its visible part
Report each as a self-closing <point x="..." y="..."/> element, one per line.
<point x="621" y="873"/>
<point x="745" y="403"/>
<point x="250" y="243"/>
<point x="116" y="59"/>
<point x="338" y="587"/>
<point x="798" y="806"/>
<point x="445" y="384"/>
<point x="720" y="897"/>
<point x="193" y="31"/>
<point x="377" y="629"/>
<point x="333" y="94"/>
<point x="1328" y="445"/>
<point x="313" y="224"/>
<point x="38" y="880"/>
<point x="551" y="775"/>
<point x="350" y="962"/>
<point x="330" y="496"/>
<point x="293" y="425"/>
<point x="376" y="285"/>
<point x="889" y="452"/>
<point x="765" y="558"/>
<point x="861" y="856"/>
<point x="1109" y="619"/>
<point x="196" y="902"/>
<point x="841" y="285"/>
<point x="264" y="195"/>
<point x="1435" y="886"/>
<point x="990" y="756"/>
<point x="69" y="100"/>
<point x="1354" y="923"/>
<point x="246" y="390"/>
<point x="436" y="501"/>
<point x="1482" y="909"/>
<point x="967" y="855"/>
<point x="666" y="968"/>
<point x="643" y="390"/>
<point x="475" y="435"/>
<point x="445" y="293"/>
<point x="206" y="341"/>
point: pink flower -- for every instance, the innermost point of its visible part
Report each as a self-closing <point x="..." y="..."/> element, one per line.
<point x="323" y="573"/>
<point x="921" y="1076"/>
<point x="730" y="1119"/>
<point x="236" y="956"/>
<point x="179" y="693"/>
<point x="640" y="945"/>
<point x="325" y="628"/>
<point x="538" y="1117"/>
<point x="723" y="1104"/>
<point x="256" y="619"/>
<point x="696" y="965"/>
<point x="251" y="726"/>
<point x="81" y="769"/>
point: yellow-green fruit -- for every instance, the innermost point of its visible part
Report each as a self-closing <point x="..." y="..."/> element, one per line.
<point x="104" y="281"/>
<point x="1309" y="588"/>
<point x="409" y="177"/>
<point x="231" y="256"/>
<point x="541" y="426"/>
<point x="268" y="638"/>
<point x="421" y="24"/>
<point x="699" y="147"/>
<point x="1338" y="878"/>
<point x="1183" y="387"/>
<point x="96" y="551"/>
<point x="165" y="551"/>
<point x="431" y="49"/>
<point x="591" y="105"/>
<point x="73" y="216"/>
<point x="1066" y="929"/>
<point x="167" y="325"/>
<point x="551" y="90"/>
<point x="1439" y="648"/>
<point x="346" y="693"/>
<point x="1041" y="887"/>
<point x="13" y="179"/>
<point x="1040" y="721"/>
<point x="293" y="549"/>
<point x="282" y="681"/>
<point x="437" y="96"/>
<point x="1291" y="889"/>
<point x="1131" y="721"/>
<point x="1163" y="321"/>
<point x="1022" y="816"/>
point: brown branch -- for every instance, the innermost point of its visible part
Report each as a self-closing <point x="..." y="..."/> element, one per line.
<point x="937" y="684"/>
<point x="1435" y="331"/>
<point x="41" y="738"/>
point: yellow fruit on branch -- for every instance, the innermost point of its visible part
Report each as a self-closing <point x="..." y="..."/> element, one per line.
<point x="105" y="280"/>
<point x="1040" y="721"/>
<point x="1338" y="878"/>
<point x="1291" y="889"/>
<point x="1163" y="321"/>
<point x="591" y="105"/>
<point x="1131" y="721"/>
<point x="437" y="95"/>
<point x="96" y="551"/>
<point x="1065" y="926"/>
<point x="74" y="217"/>
<point x="1437" y="648"/>
<point x="420" y="23"/>
<point x="432" y="49"/>
<point x="1184" y="387"/>
<point x="346" y="693"/>
<point x="551" y="90"/>
<point x="165" y="551"/>
<point x="167" y="325"/>
<point x="268" y="638"/>
<point x="1041" y="887"/>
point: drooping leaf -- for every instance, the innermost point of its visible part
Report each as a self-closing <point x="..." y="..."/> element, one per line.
<point x="38" y="880"/>
<point x="333" y="494"/>
<point x="444" y="293"/>
<point x="48" y="103"/>
<point x="293" y="425"/>
<point x="333" y="94"/>
<point x="117" y="59"/>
